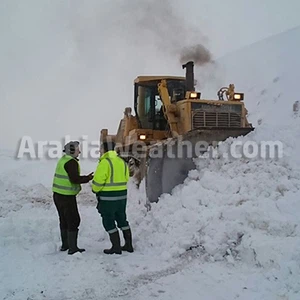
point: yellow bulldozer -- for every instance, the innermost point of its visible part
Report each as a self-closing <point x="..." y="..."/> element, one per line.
<point x="171" y="126"/>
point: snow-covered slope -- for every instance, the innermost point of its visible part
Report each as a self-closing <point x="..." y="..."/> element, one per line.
<point x="231" y="231"/>
<point x="267" y="72"/>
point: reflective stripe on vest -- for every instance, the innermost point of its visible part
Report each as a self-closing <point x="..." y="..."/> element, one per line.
<point x="112" y="197"/>
<point x="61" y="182"/>
<point x="112" y="183"/>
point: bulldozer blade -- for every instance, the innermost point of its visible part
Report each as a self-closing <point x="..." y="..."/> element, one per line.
<point x="169" y="162"/>
<point x="163" y="174"/>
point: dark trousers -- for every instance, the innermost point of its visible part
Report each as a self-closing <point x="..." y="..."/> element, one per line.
<point x="69" y="218"/>
<point x="113" y="212"/>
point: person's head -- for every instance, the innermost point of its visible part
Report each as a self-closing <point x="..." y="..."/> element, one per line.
<point x="107" y="146"/>
<point x="72" y="149"/>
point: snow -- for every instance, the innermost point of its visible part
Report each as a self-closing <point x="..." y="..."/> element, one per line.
<point x="231" y="231"/>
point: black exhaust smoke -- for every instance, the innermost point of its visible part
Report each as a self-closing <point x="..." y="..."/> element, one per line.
<point x="199" y="54"/>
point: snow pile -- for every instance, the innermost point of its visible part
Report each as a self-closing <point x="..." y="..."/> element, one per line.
<point x="221" y="200"/>
<point x="24" y="183"/>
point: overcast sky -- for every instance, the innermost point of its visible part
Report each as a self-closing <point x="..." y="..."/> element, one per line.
<point x="67" y="67"/>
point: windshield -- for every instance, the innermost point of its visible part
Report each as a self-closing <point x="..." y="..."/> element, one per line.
<point x="149" y="106"/>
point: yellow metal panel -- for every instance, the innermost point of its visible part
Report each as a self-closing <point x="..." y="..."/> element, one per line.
<point x="140" y="79"/>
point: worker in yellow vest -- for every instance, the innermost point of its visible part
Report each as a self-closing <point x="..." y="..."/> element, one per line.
<point x="66" y="185"/>
<point x="110" y="186"/>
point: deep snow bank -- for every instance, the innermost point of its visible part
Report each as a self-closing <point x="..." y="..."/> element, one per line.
<point x="222" y="198"/>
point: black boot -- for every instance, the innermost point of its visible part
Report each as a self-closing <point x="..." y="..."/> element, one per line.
<point x="72" y="239"/>
<point x="128" y="241"/>
<point x="64" y="240"/>
<point x="116" y="244"/>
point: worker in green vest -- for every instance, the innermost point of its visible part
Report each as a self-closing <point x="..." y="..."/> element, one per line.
<point x="110" y="186"/>
<point x="66" y="186"/>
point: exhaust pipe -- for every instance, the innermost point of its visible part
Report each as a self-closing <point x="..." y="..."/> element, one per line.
<point x="189" y="76"/>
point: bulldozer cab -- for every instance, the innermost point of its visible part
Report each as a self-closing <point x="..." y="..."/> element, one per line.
<point x="148" y="105"/>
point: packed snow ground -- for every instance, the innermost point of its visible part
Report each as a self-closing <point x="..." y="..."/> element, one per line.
<point x="231" y="231"/>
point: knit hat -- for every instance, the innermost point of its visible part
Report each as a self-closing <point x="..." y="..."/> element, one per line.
<point x="70" y="147"/>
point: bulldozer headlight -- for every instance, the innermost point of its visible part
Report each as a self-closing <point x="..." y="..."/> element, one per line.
<point x="194" y="95"/>
<point x="238" y="96"/>
<point x="142" y="136"/>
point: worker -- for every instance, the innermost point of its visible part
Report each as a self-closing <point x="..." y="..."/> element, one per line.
<point x="66" y="185"/>
<point x="110" y="186"/>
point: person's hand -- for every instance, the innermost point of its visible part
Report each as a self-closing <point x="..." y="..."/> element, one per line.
<point x="91" y="176"/>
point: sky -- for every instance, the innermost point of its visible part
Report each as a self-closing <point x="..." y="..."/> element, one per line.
<point x="67" y="67"/>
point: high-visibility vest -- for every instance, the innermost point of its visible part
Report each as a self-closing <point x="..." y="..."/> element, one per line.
<point x="61" y="182"/>
<point x="111" y="177"/>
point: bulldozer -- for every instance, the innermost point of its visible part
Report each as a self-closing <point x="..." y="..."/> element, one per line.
<point x="171" y="126"/>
